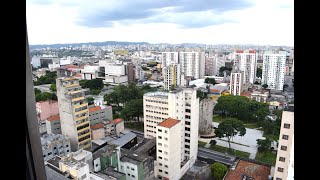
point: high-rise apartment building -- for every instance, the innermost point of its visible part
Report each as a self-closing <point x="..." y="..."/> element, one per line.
<point x="169" y="57"/>
<point x="74" y="113"/>
<point x="213" y="65"/>
<point x="236" y="83"/>
<point x="181" y="104"/>
<point x="246" y="61"/>
<point x="284" y="167"/>
<point x="192" y="64"/>
<point x="273" y="69"/>
<point x="169" y="155"/>
<point x="172" y="76"/>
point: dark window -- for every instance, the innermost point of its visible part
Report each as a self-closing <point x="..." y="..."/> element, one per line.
<point x="67" y="150"/>
<point x="285" y="137"/>
<point x="159" y="157"/>
<point x="278" y="178"/>
<point x="187" y="123"/>
<point x="286" y="125"/>
<point x="166" y="172"/>
<point x="160" y="170"/>
<point x="280" y="169"/>
<point x="284" y="148"/>
<point x="282" y="159"/>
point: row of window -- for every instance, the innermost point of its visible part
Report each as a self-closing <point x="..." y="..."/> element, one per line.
<point x="160" y="102"/>
<point x="160" y="137"/>
<point x="166" y="159"/>
<point x="54" y="153"/>
<point x="156" y="112"/>
<point x="155" y="117"/>
<point x="160" y="151"/>
<point x="165" y="145"/>
<point x="156" y="107"/>
<point x="165" y="131"/>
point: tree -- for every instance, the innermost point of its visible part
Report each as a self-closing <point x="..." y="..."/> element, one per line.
<point x="259" y="72"/>
<point x="264" y="145"/>
<point x="93" y="84"/>
<point x="202" y="94"/>
<point x="210" y="81"/>
<point x="218" y="170"/>
<point x="90" y="100"/>
<point x="145" y="68"/>
<point x="53" y="87"/>
<point x="229" y="128"/>
<point x="265" y="86"/>
<point x="36" y="91"/>
<point x="133" y="108"/>
<point x="95" y="92"/>
<point x="222" y="69"/>
<point x="285" y="86"/>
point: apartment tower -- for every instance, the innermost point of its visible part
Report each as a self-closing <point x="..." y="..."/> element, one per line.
<point x="274" y="69"/>
<point x="73" y="110"/>
<point x="172" y="76"/>
<point x="246" y="61"/>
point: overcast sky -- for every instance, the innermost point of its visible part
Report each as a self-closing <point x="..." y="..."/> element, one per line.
<point x="260" y="22"/>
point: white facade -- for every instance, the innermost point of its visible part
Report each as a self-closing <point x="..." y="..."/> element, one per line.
<point x="284" y="167"/>
<point x="115" y="69"/>
<point x="169" y="151"/>
<point x="273" y="69"/>
<point x="90" y="72"/>
<point x="192" y="64"/>
<point x="182" y="105"/>
<point x="169" y="57"/>
<point x="246" y="61"/>
<point x="236" y="81"/>
<point x="53" y="66"/>
<point x="139" y="73"/>
<point x="130" y="169"/>
<point x="172" y="76"/>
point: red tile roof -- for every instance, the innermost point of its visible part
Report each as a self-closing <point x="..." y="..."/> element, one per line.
<point x="77" y="75"/>
<point x="116" y="121"/>
<point x="168" y="123"/>
<point x="246" y="93"/>
<point x="97" y="126"/>
<point x="256" y="171"/>
<point x="93" y="109"/>
<point x="54" y="118"/>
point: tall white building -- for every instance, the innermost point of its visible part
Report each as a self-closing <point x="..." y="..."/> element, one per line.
<point x="236" y="83"/>
<point x="284" y="168"/>
<point x="169" y="155"/>
<point x="192" y="64"/>
<point x="273" y="69"/>
<point x="182" y="105"/>
<point x="246" y="61"/>
<point x="172" y="76"/>
<point x="169" y="57"/>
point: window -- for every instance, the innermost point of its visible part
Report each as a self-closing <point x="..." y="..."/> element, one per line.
<point x="286" y="125"/>
<point x="165" y="131"/>
<point x="284" y="148"/>
<point x="280" y="169"/>
<point x="159" y="157"/>
<point x="165" y="159"/>
<point x="67" y="150"/>
<point x="98" y="164"/>
<point x="160" y="164"/>
<point x="133" y="176"/>
<point x="132" y="169"/>
<point x="166" y="172"/>
<point x="55" y="148"/>
<point x="285" y="137"/>
<point x="159" y="130"/>
<point x="128" y="167"/>
<point x="278" y="178"/>
<point x="121" y="167"/>
<point x="129" y="174"/>
<point x="166" y="153"/>
<point x="282" y="159"/>
<point x="166" y="166"/>
<point x="166" y="139"/>
<point x="160" y="150"/>
<point x="160" y="170"/>
<point x="159" y="144"/>
<point x="67" y="145"/>
<point x="159" y="137"/>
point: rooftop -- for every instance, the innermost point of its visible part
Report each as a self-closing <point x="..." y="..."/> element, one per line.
<point x="97" y="126"/>
<point x="168" y="123"/>
<point x="93" y="109"/>
<point x="54" y="161"/>
<point x="53" y="174"/>
<point x="134" y="158"/>
<point x="104" y="151"/>
<point x="157" y="94"/>
<point x="111" y="172"/>
<point x="246" y="169"/>
<point x="54" y="117"/>
<point x="146" y="146"/>
<point x="116" y="121"/>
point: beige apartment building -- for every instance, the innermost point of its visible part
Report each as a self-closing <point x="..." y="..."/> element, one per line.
<point x="284" y="169"/>
<point x="73" y="111"/>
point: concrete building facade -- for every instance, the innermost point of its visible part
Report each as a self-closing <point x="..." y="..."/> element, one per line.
<point x="236" y="83"/>
<point x="45" y="109"/>
<point x="53" y="125"/>
<point x="172" y="75"/>
<point x="205" y="116"/>
<point x="98" y="114"/>
<point x="284" y="167"/>
<point x="273" y="69"/>
<point x="74" y="113"/>
<point x="246" y="61"/>
<point x="54" y="144"/>
<point x="192" y="64"/>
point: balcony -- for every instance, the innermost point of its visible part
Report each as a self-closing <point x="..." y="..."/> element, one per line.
<point x="83" y="129"/>
<point x="74" y="92"/>
<point x="72" y="85"/>
<point x="77" y="99"/>
<point x="83" y="123"/>
<point x="68" y="79"/>
<point x="81" y="118"/>
<point x="81" y="105"/>
<point x="82" y="111"/>
<point x="83" y="135"/>
<point x="84" y="141"/>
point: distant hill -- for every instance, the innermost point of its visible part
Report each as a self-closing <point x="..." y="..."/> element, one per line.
<point x="88" y="43"/>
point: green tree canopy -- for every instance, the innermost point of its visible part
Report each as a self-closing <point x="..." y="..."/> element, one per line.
<point x="218" y="170"/>
<point x="210" y="81"/>
<point x="229" y="128"/>
<point x="259" y="72"/>
<point x="53" y="87"/>
<point x="90" y="100"/>
<point x="44" y="96"/>
<point x="264" y="145"/>
<point x="265" y="86"/>
<point x="93" y="84"/>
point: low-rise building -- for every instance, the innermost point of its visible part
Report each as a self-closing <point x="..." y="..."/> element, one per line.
<point x="114" y="127"/>
<point x="97" y="131"/>
<point x="260" y="96"/>
<point x="53" y="125"/>
<point x="136" y="166"/>
<point x="108" y="174"/>
<point x="98" y="114"/>
<point x="45" y="109"/>
<point x="54" y="144"/>
<point x="90" y="72"/>
<point x="104" y="157"/>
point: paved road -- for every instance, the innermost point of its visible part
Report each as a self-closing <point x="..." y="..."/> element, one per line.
<point x="216" y="156"/>
<point x="250" y="139"/>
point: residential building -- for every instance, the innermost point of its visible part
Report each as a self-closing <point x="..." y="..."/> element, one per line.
<point x="98" y="114"/>
<point x="209" y="66"/>
<point x="43" y="61"/>
<point x="139" y="73"/>
<point x="53" y="125"/>
<point x="114" y="127"/>
<point x="246" y="61"/>
<point x="115" y="74"/>
<point x="236" y="83"/>
<point x="192" y="64"/>
<point x="54" y="144"/>
<point x="248" y="170"/>
<point x="169" y="149"/>
<point x="172" y="75"/>
<point x="45" y="109"/>
<point x="289" y="67"/>
<point x="107" y="174"/>
<point x="136" y="166"/>
<point x="90" y="72"/>
<point x="130" y="72"/>
<point x="260" y="96"/>
<point x="217" y="90"/>
<point x="104" y="157"/>
<point x="284" y="167"/>
<point x="274" y="69"/>
<point x="181" y="104"/>
<point x="53" y="67"/>
<point x="169" y="57"/>
<point x="40" y="72"/>
<point x="74" y="113"/>
<point x="97" y="131"/>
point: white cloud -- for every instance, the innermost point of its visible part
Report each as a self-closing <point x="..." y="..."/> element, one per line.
<point x="268" y="22"/>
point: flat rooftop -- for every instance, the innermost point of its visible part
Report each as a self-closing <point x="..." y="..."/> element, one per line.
<point x="246" y="169"/>
<point x="146" y="146"/>
<point x="134" y="158"/>
<point x="168" y="123"/>
<point x="157" y="94"/>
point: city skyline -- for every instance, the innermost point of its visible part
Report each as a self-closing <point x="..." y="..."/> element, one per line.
<point x="239" y="22"/>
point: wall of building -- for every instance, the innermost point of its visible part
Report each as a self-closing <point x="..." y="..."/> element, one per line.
<point x="97" y="133"/>
<point x="273" y="69"/>
<point x="45" y="109"/>
<point x="53" y="127"/>
<point x="131" y="170"/>
<point x="205" y="116"/>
